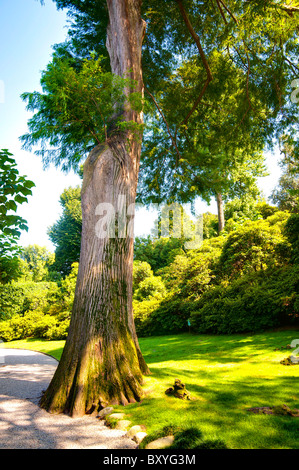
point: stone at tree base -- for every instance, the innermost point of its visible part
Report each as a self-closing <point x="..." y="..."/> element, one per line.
<point x="139" y="436"/>
<point x="104" y="412"/>
<point x="178" y="390"/>
<point x="123" y="424"/>
<point x="135" y="429"/>
<point x="160" y="443"/>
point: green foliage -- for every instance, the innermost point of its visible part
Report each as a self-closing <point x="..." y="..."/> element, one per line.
<point x="243" y="280"/>
<point x="38" y="260"/>
<point x="292" y="233"/>
<point x="210" y="225"/>
<point x="251" y="303"/>
<point x="18" y="298"/>
<point x="14" y="191"/>
<point x="65" y="234"/>
<point x="213" y="153"/>
<point x="254" y="246"/>
<point x="184" y="438"/>
<point x="157" y="252"/>
<point x="150" y="287"/>
<point x="247" y="207"/>
<point x="74" y="113"/>
<point x="168" y="430"/>
<point x="34" y="324"/>
<point x="148" y="292"/>
<point x="37" y="309"/>
<point x="10" y="269"/>
<point x="141" y="271"/>
<point x="286" y="194"/>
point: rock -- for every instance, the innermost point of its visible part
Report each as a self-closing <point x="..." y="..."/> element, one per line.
<point x="123" y="424"/>
<point x="117" y="415"/>
<point x="104" y="412"/>
<point x="135" y="429"/>
<point x="178" y="390"/>
<point x="160" y="443"/>
<point x="139" y="436"/>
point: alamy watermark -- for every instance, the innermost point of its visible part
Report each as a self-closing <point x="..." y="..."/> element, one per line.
<point x="173" y="222"/>
<point x="2" y="91"/>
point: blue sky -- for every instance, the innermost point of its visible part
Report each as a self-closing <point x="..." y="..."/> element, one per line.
<point x="27" y="33"/>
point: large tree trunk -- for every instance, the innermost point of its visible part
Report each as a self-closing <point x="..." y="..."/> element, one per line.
<point x="220" y="207"/>
<point x="101" y="363"/>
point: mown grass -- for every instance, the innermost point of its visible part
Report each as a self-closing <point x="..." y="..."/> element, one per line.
<point x="225" y="375"/>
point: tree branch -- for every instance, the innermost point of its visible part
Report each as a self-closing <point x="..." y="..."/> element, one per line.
<point x="221" y="11"/>
<point x="228" y="11"/>
<point x="164" y="119"/>
<point x="203" y="58"/>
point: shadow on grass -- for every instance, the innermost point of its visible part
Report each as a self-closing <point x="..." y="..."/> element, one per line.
<point x="220" y="410"/>
<point x="222" y="348"/>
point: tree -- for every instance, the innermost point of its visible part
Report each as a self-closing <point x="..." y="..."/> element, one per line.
<point x="65" y="234"/>
<point x="14" y="190"/>
<point x="286" y="194"/>
<point x="214" y="156"/>
<point x="101" y="361"/>
<point x="38" y="260"/>
<point x="101" y="349"/>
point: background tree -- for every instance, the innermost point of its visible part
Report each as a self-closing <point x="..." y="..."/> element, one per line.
<point x="65" y="234"/>
<point x="39" y="261"/>
<point x="214" y="156"/>
<point x="286" y="194"/>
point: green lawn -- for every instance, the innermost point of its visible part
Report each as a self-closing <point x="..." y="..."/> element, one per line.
<point x="226" y="375"/>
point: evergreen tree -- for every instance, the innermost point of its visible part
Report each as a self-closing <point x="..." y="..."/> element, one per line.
<point x="102" y="362"/>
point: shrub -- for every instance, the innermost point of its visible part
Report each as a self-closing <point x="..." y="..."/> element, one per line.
<point x="292" y="233"/>
<point x="18" y="298"/>
<point x="255" y="302"/>
<point x="141" y="271"/>
<point x="32" y="324"/>
<point x="254" y="246"/>
<point x="150" y="287"/>
<point x="143" y="312"/>
<point x="58" y="331"/>
<point x="167" y="316"/>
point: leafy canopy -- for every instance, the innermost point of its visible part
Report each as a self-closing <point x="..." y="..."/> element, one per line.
<point x="14" y="190"/>
<point x="77" y="109"/>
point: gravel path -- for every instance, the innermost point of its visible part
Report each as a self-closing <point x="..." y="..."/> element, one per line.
<point x="23" y="425"/>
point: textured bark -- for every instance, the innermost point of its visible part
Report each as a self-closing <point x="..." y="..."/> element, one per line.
<point x="220" y="207"/>
<point x="102" y="363"/>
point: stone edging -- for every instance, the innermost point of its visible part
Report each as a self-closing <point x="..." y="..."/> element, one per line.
<point x="137" y="432"/>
